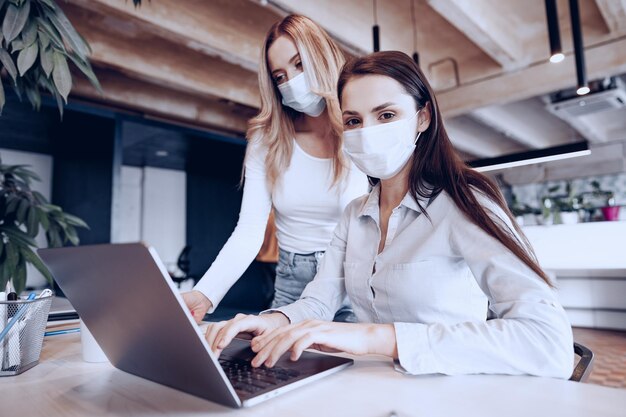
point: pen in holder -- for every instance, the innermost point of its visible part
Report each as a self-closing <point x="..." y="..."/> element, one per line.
<point x="22" y="327"/>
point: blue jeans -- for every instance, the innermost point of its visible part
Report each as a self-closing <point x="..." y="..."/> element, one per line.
<point x="293" y="272"/>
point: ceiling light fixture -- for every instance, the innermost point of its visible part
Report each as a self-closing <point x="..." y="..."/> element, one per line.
<point x="579" y="50"/>
<point x="416" y="55"/>
<point x="537" y="156"/>
<point x="552" y="16"/>
<point x="376" y="30"/>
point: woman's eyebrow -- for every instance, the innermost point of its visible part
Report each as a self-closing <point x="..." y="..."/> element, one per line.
<point x="382" y="106"/>
<point x="291" y="60"/>
<point x="350" y="112"/>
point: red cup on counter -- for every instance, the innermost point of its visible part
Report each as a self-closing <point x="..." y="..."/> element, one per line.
<point x="610" y="213"/>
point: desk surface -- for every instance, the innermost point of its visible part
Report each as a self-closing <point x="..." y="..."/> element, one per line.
<point x="63" y="385"/>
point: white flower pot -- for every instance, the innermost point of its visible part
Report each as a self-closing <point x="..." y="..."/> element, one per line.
<point x="569" y="217"/>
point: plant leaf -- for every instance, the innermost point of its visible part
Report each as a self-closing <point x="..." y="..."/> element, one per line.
<point x="21" y="211"/>
<point x="26" y="174"/>
<point x="7" y="62"/>
<point x="32" y="225"/>
<point x="14" y="20"/>
<point x="75" y="221"/>
<point x="45" y="58"/>
<point x="65" y="28"/>
<point x="17" y="235"/>
<point x="71" y="235"/>
<point x="34" y="96"/>
<point x="51" y="32"/>
<point x="39" y="197"/>
<point x="11" y="207"/>
<point x="44" y="39"/>
<point x="2" y="98"/>
<point x="61" y="75"/>
<point x="49" y="3"/>
<point x="86" y="69"/>
<point x="29" y="34"/>
<point x="32" y="258"/>
<point x="11" y="260"/>
<point x="19" y="278"/>
<point x="43" y="219"/>
<point x="27" y="58"/>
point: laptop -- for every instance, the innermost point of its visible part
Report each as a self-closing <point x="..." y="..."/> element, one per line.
<point x="126" y="298"/>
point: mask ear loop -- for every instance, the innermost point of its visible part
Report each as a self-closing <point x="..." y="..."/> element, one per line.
<point x="418" y="133"/>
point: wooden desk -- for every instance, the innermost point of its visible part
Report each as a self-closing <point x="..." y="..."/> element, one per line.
<point x="63" y="385"/>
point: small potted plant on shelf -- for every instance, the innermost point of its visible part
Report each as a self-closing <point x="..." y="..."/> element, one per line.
<point x="524" y="214"/>
<point x="561" y="208"/>
<point x="610" y="210"/>
<point x="23" y="212"/>
<point x="568" y="205"/>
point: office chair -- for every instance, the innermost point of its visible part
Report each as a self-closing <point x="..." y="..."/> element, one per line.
<point x="585" y="364"/>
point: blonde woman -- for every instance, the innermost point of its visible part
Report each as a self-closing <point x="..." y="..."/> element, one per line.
<point x="294" y="162"/>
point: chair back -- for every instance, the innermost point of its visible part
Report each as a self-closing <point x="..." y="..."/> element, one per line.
<point x="585" y="364"/>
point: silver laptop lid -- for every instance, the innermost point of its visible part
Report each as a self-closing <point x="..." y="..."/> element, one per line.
<point x="101" y="281"/>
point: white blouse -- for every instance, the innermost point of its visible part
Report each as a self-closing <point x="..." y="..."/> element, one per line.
<point x="435" y="281"/>
<point x="307" y="210"/>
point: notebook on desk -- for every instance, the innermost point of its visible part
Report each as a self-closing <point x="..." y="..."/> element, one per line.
<point x="124" y="295"/>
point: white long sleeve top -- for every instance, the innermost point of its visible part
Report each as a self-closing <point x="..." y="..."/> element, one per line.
<point x="307" y="209"/>
<point x="435" y="282"/>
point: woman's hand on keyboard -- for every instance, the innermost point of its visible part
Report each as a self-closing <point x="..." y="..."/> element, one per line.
<point x="220" y="334"/>
<point x="354" y="338"/>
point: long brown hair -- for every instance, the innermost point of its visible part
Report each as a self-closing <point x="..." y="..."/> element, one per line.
<point x="436" y="165"/>
<point x="322" y="60"/>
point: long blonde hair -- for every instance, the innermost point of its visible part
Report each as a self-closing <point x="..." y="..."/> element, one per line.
<point x="273" y="126"/>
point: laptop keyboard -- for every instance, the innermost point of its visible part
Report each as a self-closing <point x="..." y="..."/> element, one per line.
<point x="246" y="378"/>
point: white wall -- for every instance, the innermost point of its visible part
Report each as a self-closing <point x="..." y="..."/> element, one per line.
<point x="42" y="165"/>
<point x="153" y="210"/>
<point x="130" y="206"/>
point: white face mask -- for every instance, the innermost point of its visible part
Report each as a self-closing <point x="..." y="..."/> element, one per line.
<point x="381" y="151"/>
<point x="297" y="95"/>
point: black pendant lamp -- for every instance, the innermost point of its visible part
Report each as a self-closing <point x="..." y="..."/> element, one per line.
<point x="376" y="30"/>
<point x="579" y="50"/>
<point x="552" y="16"/>
<point x="416" y="55"/>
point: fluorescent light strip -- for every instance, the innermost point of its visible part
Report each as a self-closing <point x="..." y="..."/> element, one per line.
<point x="533" y="161"/>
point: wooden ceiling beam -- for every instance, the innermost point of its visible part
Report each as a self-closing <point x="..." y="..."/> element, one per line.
<point x="604" y="60"/>
<point x="126" y="48"/>
<point x="472" y="137"/>
<point x="159" y="102"/>
<point x="232" y="30"/>
<point x="614" y="14"/>
<point x="489" y="29"/>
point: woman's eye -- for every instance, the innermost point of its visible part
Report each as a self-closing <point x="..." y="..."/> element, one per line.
<point x="299" y="65"/>
<point x="386" y="116"/>
<point x="279" y="79"/>
<point x="350" y="123"/>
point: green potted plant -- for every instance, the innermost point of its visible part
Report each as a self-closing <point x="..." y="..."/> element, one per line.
<point x="525" y="215"/>
<point x="23" y="213"/>
<point x="610" y="210"/>
<point x="568" y="205"/>
<point x="37" y="43"/>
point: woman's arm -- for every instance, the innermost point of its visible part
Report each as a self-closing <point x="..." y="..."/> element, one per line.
<point x="247" y="238"/>
<point x="530" y="334"/>
<point x="320" y="300"/>
<point x="323" y="296"/>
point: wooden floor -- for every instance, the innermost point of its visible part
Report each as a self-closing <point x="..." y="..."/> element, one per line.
<point x="609" y="348"/>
